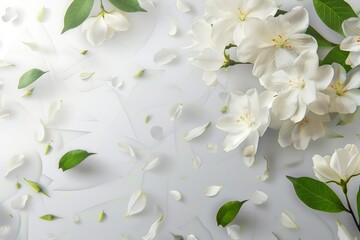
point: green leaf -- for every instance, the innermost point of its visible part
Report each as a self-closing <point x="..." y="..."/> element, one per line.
<point x="73" y="158"/>
<point x="358" y="202"/>
<point x="77" y="13"/>
<point x="228" y="212"/>
<point x="101" y="216"/>
<point x="127" y="5"/>
<point x="317" y="195"/>
<point x="338" y="56"/>
<point x="333" y="13"/>
<point x="29" y="77"/>
<point x="49" y="217"/>
<point x="322" y="42"/>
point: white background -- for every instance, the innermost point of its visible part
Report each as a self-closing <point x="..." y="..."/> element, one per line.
<point x="96" y="117"/>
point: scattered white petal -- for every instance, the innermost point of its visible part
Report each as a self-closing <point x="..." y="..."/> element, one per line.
<point x="259" y="197"/>
<point x="210" y="78"/>
<point x="173" y="29"/>
<point x="117" y="83"/>
<point x="10" y="14"/>
<point x="343" y="233"/>
<point x="288" y="220"/>
<point x="40" y="132"/>
<point x="212" y="148"/>
<point x="86" y="75"/>
<point x="19" y="203"/>
<point x="33" y="46"/>
<point x="164" y="56"/>
<point x="5" y="64"/>
<point x="151" y="161"/>
<point x="191" y="237"/>
<point x="53" y="109"/>
<point x="136" y="203"/>
<point x="233" y="231"/>
<point x="41" y="14"/>
<point x="212" y="191"/>
<point x="153" y="229"/>
<point x="175" y="112"/>
<point x="4" y="114"/>
<point x="176" y="195"/>
<point x="196" y="132"/>
<point x="127" y="149"/>
<point x="196" y="162"/>
<point x="183" y="6"/>
<point x="4" y="230"/>
<point x="76" y="218"/>
<point x="15" y="162"/>
<point x="263" y="177"/>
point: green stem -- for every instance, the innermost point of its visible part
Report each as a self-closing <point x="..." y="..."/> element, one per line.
<point x="344" y="187"/>
<point x="102" y="6"/>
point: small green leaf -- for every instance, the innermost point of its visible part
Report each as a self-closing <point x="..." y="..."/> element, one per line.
<point x="49" y="217"/>
<point x="338" y="56"/>
<point x="101" y="216"/>
<point x="147" y="119"/>
<point x="228" y="212"/>
<point x="322" y="42"/>
<point x="333" y="13"/>
<point x="317" y="195"/>
<point x="127" y="5"/>
<point x="29" y="77"/>
<point x="73" y="158"/>
<point x="17" y="185"/>
<point x="77" y="13"/>
<point x="358" y="202"/>
<point x="83" y="52"/>
<point x="35" y="187"/>
<point x="224" y="109"/>
<point x="139" y="73"/>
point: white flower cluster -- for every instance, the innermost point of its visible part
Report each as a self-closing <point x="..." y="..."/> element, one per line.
<point x="298" y="93"/>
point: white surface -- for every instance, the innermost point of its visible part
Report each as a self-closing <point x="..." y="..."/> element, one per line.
<point x="96" y="117"/>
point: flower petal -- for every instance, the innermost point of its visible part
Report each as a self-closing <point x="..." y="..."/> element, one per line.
<point x="234" y="232"/>
<point x="96" y="31"/>
<point x="164" y="56"/>
<point x="175" y="112"/>
<point x="175" y="194"/>
<point x="20" y="202"/>
<point x="350" y="44"/>
<point x="183" y="6"/>
<point x="151" y="162"/>
<point x="210" y="78"/>
<point x="288" y="220"/>
<point x="116" y="21"/>
<point x="52" y="111"/>
<point x="259" y="198"/>
<point x="127" y="149"/>
<point x="40" y="132"/>
<point x="196" y="162"/>
<point x="136" y="203"/>
<point x="343" y="233"/>
<point x="351" y="27"/>
<point x="212" y="191"/>
<point x="15" y="162"/>
<point x="196" y="132"/>
<point x="153" y="229"/>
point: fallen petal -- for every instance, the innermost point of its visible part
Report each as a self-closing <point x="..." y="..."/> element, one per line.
<point x="259" y="197"/>
<point x="136" y="203"/>
<point x="153" y="229"/>
<point x="19" y="203"/>
<point x="164" y="56"/>
<point x="288" y="220"/>
<point x="196" y="132"/>
<point x="151" y="161"/>
<point x="233" y="231"/>
<point x="176" y="195"/>
<point x="212" y="191"/>
<point x="15" y="162"/>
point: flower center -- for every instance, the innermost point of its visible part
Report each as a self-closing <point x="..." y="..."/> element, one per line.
<point x="297" y="82"/>
<point x="280" y="42"/>
<point x="245" y="119"/>
<point x="304" y="122"/>
<point x="339" y="88"/>
<point x="242" y="15"/>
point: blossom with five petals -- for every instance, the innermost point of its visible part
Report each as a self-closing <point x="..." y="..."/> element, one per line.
<point x="277" y="41"/>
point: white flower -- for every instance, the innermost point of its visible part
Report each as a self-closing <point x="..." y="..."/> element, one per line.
<point x="103" y="26"/>
<point x="343" y="233"/>
<point x="277" y="41"/>
<point x="232" y="19"/>
<point x="340" y="167"/>
<point x="299" y="134"/>
<point x="247" y="119"/>
<point x="209" y="60"/>
<point x="201" y="35"/>
<point x="344" y="93"/>
<point x="351" y="28"/>
<point x="298" y="87"/>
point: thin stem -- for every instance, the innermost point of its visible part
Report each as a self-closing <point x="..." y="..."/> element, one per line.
<point x="344" y="187"/>
<point x="102" y="6"/>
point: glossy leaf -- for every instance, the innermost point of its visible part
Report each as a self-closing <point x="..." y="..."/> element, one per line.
<point x="338" y="56"/>
<point x="127" y="5"/>
<point x="317" y="195"/>
<point x="30" y="77"/>
<point x="228" y="212"/>
<point x="333" y="13"/>
<point x="322" y="42"/>
<point x="73" y="158"/>
<point x="77" y="13"/>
